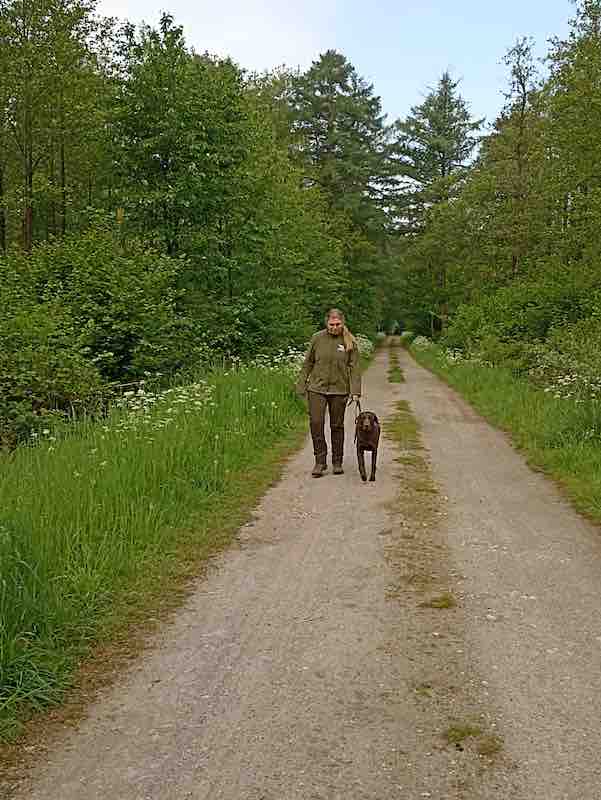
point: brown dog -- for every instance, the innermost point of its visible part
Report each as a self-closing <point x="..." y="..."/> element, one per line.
<point x="367" y="437"/>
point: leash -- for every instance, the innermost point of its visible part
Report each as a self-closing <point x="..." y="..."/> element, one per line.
<point x="357" y="406"/>
<point x="357" y="412"/>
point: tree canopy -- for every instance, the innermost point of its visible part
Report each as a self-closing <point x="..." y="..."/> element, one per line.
<point x="231" y="209"/>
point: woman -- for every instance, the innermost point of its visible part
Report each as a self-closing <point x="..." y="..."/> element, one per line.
<point x="329" y="374"/>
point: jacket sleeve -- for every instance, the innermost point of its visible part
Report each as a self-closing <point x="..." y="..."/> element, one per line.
<point x="301" y="384"/>
<point x="355" y="372"/>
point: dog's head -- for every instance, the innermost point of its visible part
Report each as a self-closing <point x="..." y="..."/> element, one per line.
<point x="367" y="421"/>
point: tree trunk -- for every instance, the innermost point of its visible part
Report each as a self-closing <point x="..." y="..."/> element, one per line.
<point x="28" y="183"/>
<point x="444" y="304"/>
<point x="28" y="210"/>
<point x="63" y="212"/>
<point x="51" y="217"/>
<point x="2" y="213"/>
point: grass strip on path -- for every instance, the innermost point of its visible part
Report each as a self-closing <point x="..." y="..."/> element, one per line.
<point x="417" y="550"/>
<point x="395" y="373"/>
<point x="557" y="435"/>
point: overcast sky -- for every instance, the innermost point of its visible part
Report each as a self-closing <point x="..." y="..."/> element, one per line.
<point x="401" y="46"/>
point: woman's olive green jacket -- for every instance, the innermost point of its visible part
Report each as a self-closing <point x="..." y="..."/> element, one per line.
<point x="329" y="368"/>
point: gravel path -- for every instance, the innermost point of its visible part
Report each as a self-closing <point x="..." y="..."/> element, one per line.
<point x="309" y="663"/>
<point x="531" y="591"/>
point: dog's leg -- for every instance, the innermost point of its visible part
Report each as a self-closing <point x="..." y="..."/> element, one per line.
<point x="374" y="455"/>
<point x="361" y="462"/>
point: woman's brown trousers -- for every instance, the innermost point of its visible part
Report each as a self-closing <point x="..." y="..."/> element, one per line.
<point x="336" y="405"/>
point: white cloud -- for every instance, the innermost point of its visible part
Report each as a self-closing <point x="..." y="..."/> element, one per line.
<point x="258" y="34"/>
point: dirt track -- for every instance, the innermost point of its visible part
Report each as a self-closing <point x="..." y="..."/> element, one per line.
<point x="308" y="664"/>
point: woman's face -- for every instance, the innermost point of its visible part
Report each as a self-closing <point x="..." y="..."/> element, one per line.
<point x="335" y="326"/>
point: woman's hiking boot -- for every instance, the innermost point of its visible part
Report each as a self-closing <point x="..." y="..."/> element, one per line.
<point x="319" y="470"/>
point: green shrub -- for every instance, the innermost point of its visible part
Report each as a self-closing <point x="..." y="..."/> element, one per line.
<point x="78" y="313"/>
<point x="580" y="344"/>
<point x="45" y="372"/>
<point x="126" y="300"/>
<point x="261" y="321"/>
<point x="524" y="311"/>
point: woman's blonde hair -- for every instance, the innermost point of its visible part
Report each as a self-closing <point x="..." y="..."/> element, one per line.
<point x="349" y="339"/>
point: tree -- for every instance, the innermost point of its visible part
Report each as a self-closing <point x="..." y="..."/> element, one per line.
<point x="27" y="46"/>
<point x="433" y="147"/>
<point x="507" y="188"/>
<point x="5" y="98"/>
<point x="345" y="145"/>
<point x="179" y="133"/>
<point x="48" y="97"/>
<point x="573" y="132"/>
<point x="75" y="80"/>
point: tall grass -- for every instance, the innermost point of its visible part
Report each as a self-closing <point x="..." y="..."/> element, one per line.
<point x="85" y="518"/>
<point x="558" y="434"/>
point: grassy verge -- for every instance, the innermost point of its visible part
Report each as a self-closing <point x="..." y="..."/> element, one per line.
<point x="101" y="529"/>
<point x="559" y="436"/>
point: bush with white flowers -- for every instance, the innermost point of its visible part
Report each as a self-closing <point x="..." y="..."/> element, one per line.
<point x="365" y="345"/>
<point x="422" y="343"/>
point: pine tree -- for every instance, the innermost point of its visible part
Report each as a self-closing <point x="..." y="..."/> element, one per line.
<point x="344" y="145"/>
<point x="433" y="147"/>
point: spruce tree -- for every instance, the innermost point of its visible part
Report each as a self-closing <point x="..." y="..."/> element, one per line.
<point x="344" y="139"/>
<point x="433" y="146"/>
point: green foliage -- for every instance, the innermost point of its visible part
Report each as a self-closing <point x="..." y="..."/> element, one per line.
<point x="433" y="145"/>
<point x="578" y="345"/>
<point x="44" y="369"/>
<point x="523" y="311"/>
<point x="344" y="143"/>
<point x="123" y="301"/>
<point x="507" y="267"/>
<point x="81" y="312"/>
<point x="180" y="130"/>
